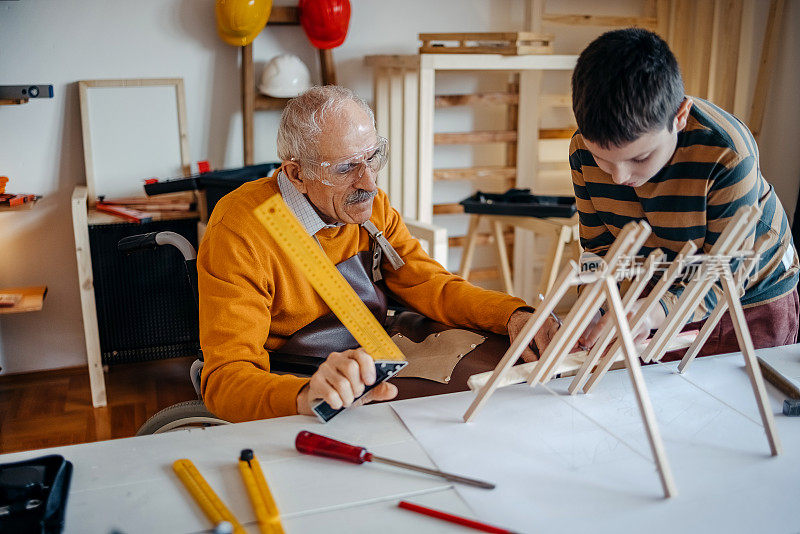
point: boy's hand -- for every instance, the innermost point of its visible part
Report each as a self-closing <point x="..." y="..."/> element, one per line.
<point x="340" y="379"/>
<point x="542" y="338"/>
<point x="651" y="321"/>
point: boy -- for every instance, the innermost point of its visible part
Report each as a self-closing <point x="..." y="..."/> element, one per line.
<point x="644" y="150"/>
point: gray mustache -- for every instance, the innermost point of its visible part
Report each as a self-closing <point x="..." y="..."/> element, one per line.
<point x="359" y="196"/>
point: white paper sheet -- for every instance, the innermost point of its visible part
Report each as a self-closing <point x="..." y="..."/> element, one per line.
<point x="583" y="463"/>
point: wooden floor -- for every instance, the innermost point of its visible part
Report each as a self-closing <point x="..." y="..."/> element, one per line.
<point x="51" y="408"/>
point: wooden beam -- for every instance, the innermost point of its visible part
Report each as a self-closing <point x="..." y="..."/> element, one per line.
<point x="446" y="209"/>
<point x="512" y="123"/>
<point x="662" y="14"/>
<point x="489" y="97"/>
<point x="328" y="67"/>
<point x="486" y="172"/>
<point x="480" y="239"/>
<point x="266" y="103"/>
<point x="601" y="20"/>
<point x="766" y="66"/>
<point x="393" y="61"/>
<point x="80" y="227"/>
<point x="284" y="16"/>
<point x="472" y="138"/>
<point x="248" y="102"/>
<point x="496" y="136"/>
<point x="724" y="62"/>
<point x="556" y="100"/>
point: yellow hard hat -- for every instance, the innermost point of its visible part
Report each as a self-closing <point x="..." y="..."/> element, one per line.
<point x="239" y="21"/>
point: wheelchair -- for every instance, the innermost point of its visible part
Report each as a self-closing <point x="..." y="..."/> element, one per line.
<point x="193" y="413"/>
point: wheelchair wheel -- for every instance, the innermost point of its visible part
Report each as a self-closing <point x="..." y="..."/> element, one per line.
<point x="181" y="416"/>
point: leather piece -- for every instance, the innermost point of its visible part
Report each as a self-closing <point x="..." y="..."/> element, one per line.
<point x="436" y="357"/>
<point x="417" y="327"/>
<point x="327" y="334"/>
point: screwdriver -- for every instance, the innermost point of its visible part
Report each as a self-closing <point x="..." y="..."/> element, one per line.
<point x="316" y="445"/>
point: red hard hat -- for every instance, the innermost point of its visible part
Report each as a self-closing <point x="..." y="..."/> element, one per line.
<point x="325" y="21"/>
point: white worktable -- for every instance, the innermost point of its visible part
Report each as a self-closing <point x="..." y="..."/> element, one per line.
<point x="128" y="484"/>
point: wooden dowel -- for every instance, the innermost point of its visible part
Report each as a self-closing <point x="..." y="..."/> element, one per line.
<point x="753" y="369"/>
<point x="607" y="334"/>
<point x="558" y="342"/>
<point x="734" y="234"/>
<point x="627" y="244"/>
<point x="502" y="256"/>
<point x="652" y="300"/>
<point x="523" y="339"/>
<point x="519" y="373"/>
<point x="569" y="332"/>
<point x="640" y="389"/>
<point x="248" y="102"/>
<point x="469" y="251"/>
<point x="722" y="306"/>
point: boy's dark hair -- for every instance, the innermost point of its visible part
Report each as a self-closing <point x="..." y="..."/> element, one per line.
<point x="626" y="83"/>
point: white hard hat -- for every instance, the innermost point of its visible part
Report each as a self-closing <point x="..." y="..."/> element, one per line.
<point x="285" y="76"/>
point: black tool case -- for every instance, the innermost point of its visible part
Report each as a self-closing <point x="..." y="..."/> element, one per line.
<point x="33" y="495"/>
<point x="216" y="184"/>
<point x="519" y="202"/>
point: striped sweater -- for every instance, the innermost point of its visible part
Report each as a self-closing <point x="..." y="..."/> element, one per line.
<point x="713" y="172"/>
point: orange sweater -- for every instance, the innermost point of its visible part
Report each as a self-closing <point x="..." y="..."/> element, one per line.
<point x="252" y="299"/>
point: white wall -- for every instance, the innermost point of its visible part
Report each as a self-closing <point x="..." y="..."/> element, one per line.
<point x="62" y="41"/>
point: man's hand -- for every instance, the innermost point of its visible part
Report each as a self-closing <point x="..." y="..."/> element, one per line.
<point x="651" y="321"/>
<point x="340" y="379"/>
<point x="542" y="338"/>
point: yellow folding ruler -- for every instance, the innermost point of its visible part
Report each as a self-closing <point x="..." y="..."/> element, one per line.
<point x="343" y="301"/>
<point x="211" y="504"/>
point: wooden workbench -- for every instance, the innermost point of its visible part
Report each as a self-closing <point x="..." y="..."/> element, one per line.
<point x="128" y="484"/>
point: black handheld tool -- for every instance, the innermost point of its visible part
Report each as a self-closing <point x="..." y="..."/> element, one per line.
<point x="384" y="370"/>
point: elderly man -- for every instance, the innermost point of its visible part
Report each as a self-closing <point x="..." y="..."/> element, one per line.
<point x="253" y="301"/>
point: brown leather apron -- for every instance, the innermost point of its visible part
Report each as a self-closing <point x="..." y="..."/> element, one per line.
<point x="327" y="333"/>
<point x="311" y="345"/>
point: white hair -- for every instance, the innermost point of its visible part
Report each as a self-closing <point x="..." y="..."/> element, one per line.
<point x="303" y="117"/>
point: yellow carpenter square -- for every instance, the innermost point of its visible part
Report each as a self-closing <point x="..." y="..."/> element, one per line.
<point x="212" y="506"/>
<point x="274" y="214"/>
<point x="267" y="514"/>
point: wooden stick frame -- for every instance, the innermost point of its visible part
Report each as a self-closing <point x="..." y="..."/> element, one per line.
<point x="602" y="287"/>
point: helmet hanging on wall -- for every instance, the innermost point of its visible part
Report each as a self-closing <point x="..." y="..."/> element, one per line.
<point x="285" y="76"/>
<point x="239" y="21"/>
<point x="325" y="21"/>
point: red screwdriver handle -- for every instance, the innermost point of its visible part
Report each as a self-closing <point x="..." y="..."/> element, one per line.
<point x="316" y="445"/>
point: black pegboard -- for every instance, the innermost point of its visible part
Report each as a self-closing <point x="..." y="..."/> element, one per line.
<point x="145" y="307"/>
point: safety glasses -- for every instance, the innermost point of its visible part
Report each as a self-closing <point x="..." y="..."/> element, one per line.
<point x="351" y="168"/>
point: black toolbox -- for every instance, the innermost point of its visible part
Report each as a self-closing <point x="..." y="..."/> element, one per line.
<point x="216" y="184"/>
<point x="519" y="202"/>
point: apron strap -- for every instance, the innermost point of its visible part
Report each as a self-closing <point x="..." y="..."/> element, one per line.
<point x="385" y="246"/>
